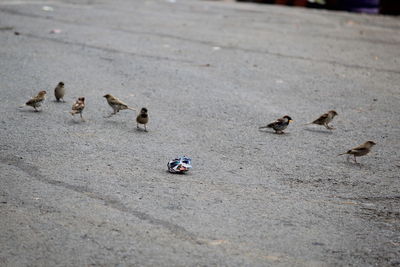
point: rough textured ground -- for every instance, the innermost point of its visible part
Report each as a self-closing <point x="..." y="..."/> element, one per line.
<point x="97" y="192"/>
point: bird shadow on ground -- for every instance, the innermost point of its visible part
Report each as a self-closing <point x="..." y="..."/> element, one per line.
<point x="29" y="110"/>
<point x="176" y="173"/>
<point x="140" y="130"/>
<point x="319" y="131"/>
<point x="75" y="121"/>
<point x="125" y="126"/>
<point x="274" y="133"/>
<point x="115" y="122"/>
<point x="352" y="164"/>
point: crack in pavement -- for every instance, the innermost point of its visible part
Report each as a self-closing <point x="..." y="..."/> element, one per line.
<point x="164" y="35"/>
<point x="105" y="49"/>
<point x="33" y="171"/>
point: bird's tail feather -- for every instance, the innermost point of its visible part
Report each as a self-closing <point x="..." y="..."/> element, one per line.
<point x="344" y="153"/>
<point x="131" y="108"/>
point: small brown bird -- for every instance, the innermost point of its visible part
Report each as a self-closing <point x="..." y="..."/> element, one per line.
<point x="116" y="104"/>
<point x="279" y="125"/>
<point x="359" y="151"/>
<point x="59" y="91"/>
<point x="325" y="119"/>
<point x="78" y="106"/>
<point x="36" y="101"/>
<point x="142" y="118"/>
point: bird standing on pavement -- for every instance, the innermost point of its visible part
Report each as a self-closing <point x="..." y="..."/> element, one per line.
<point x="325" y="119"/>
<point x="279" y="125"/>
<point x="359" y="151"/>
<point x="36" y="101"/>
<point x="78" y="106"/>
<point x="116" y="104"/>
<point x="142" y="118"/>
<point x="59" y="91"/>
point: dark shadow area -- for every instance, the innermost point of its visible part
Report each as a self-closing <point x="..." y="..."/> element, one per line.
<point x="26" y="109"/>
<point x="388" y="7"/>
<point x="319" y="130"/>
<point x="274" y="133"/>
<point x="73" y="121"/>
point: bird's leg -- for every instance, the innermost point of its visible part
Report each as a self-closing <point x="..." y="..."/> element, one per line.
<point x="137" y="125"/>
<point x="348" y="157"/>
<point x="329" y="127"/>
<point x="82" y="117"/>
<point x="35" y="109"/>
<point x="112" y="113"/>
<point x="145" y="129"/>
<point x="355" y="160"/>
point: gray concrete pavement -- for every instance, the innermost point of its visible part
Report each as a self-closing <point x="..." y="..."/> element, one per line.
<point x="97" y="192"/>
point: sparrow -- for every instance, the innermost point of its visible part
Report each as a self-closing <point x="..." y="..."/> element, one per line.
<point x="142" y="118"/>
<point x="78" y="106"/>
<point x="279" y="125"/>
<point x="59" y="91"/>
<point x="116" y="104"/>
<point x="36" y="101"/>
<point x="325" y="119"/>
<point x="359" y="151"/>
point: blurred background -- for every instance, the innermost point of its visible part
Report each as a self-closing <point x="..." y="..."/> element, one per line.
<point x="390" y="7"/>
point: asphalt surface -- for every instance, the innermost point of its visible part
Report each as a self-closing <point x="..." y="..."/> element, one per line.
<point x="78" y="193"/>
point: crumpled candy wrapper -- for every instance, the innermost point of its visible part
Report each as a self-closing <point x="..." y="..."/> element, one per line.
<point x="180" y="165"/>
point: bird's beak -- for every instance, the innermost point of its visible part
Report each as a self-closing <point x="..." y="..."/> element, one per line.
<point x="291" y="120"/>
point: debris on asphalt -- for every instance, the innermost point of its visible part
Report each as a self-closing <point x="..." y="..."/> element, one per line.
<point x="180" y="165"/>
<point x="47" y="8"/>
<point x="56" y="31"/>
<point x="6" y="28"/>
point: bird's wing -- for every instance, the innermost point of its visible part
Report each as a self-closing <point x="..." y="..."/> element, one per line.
<point x="358" y="151"/>
<point x="33" y="100"/>
<point x="276" y="122"/>
<point x="79" y="105"/>
<point x="116" y="101"/>
<point x="30" y="101"/>
<point x="321" y="119"/>
<point x="359" y="148"/>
